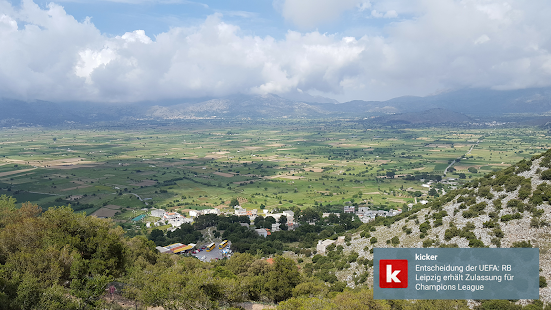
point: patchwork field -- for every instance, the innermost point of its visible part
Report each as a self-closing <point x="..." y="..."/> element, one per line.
<point x="273" y="164"/>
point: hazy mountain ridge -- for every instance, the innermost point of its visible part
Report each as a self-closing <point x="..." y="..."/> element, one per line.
<point x="472" y="102"/>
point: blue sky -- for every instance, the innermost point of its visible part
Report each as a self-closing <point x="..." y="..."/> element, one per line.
<point x="133" y="50"/>
<point x="254" y="17"/>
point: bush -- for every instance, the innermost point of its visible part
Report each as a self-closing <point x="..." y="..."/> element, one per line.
<point x="522" y="244"/>
<point x="543" y="282"/>
<point x="427" y="243"/>
<point x="517" y="204"/>
<point x="498" y="233"/>
<point x="451" y="232"/>
<point x="373" y="240"/>
<point x="424" y="227"/>
<point x="489" y="224"/>
<point x="476" y="243"/>
<point x="546" y="175"/>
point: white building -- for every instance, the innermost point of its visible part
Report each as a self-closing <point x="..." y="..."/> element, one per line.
<point x="322" y="246"/>
<point x="240" y="211"/>
<point x="211" y="211"/>
<point x="349" y="209"/>
<point x="195" y="213"/>
<point x="262" y="232"/>
<point x="171" y="216"/>
<point x="158" y="212"/>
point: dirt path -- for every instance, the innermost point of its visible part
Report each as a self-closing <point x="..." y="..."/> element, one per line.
<point x="4" y="174"/>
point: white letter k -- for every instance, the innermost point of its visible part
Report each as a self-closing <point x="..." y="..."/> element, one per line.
<point x="391" y="276"/>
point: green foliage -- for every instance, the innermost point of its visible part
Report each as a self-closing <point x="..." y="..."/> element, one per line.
<point x="521" y="244"/>
<point x="40" y="251"/>
<point x="498" y="305"/>
<point x="543" y="282"/>
<point x="424" y="227"/>
<point x="546" y="175"/>
<point x="282" y="279"/>
<point x="428" y="243"/>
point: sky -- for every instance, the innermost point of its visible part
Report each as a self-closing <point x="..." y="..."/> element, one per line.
<point x="154" y="50"/>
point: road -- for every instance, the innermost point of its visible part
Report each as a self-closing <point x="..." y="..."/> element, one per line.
<point x="455" y="160"/>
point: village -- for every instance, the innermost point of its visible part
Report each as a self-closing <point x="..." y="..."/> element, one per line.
<point x="216" y="251"/>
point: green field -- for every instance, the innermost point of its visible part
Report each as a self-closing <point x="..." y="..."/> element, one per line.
<point x="201" y="165"/>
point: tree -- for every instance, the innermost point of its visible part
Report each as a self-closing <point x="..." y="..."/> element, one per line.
<point x="259" y="221"/>
<point x="282" y="279"/>
<point x="390" y="174"/>
<point x="283" y="222"/>
<point x="234" y="202"/>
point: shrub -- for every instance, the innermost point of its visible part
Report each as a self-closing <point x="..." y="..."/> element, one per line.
<point x="546" y="175"/>
<point x="424" y="227"/>
<point x="450" y="233"/>
<point x="373" y="240"/>
<point x="489" y="224"/>
<point x="498" y="232"/>
<point x="543" y="282"/>
<point x="427" y="243"/>
<point x="517" y="204"/>
<point x="476" y="243"/>
<point x="522" y="244"/>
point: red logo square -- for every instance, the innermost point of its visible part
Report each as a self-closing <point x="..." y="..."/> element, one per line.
<point x="393" y="273"/>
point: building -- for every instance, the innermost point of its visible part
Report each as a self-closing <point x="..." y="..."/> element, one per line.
<point x="211" y="211"/>
<point x="158" y="212"/>
<point x="240" y="211"/>
<point x="363" y="210"/>
<point x="349" y="209"/>
<point x="177" y="222"/>
<point x="322" y="246"/>
<point x="262" y="232"/>
<point x="195" y="213"/>
<point x="171" y="216"/>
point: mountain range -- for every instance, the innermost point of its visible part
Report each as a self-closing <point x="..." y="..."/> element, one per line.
<point x="458" y="106"/>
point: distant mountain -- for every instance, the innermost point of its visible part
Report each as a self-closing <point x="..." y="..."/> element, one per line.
<point x="242" y="106"/>
<point x="475" y="101"/>
<point x="432" y="116"/>
<point x="444" y="107"/>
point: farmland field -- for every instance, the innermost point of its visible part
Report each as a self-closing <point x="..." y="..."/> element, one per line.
<point x="264" y="164"/>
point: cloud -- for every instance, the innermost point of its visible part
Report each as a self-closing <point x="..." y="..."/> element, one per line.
<point x="47" y="54"/>
<point x="308" y="14"/>
<point x="143" y="2"/>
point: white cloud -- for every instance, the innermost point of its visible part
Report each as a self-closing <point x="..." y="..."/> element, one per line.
<point x="388" y="14"/>
<point x="310" y="13"/>
<point x="47" y="54"/>
<point x="364" y="5"/>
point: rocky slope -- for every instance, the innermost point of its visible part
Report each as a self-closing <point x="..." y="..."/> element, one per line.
<point x="508" y="208"/>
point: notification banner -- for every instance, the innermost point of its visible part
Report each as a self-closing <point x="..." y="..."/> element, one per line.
<point x="454" y="273"/>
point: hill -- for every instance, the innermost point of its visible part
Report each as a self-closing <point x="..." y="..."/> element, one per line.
<point x="507" y="208"/>
<point x="471" y="102"/>
<point x="432" y="116"/>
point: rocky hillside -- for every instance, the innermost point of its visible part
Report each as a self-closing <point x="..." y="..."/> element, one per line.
<point x="508" y="208"/>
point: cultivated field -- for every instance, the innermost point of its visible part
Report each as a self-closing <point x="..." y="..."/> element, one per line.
<point x="275" y="164"/>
